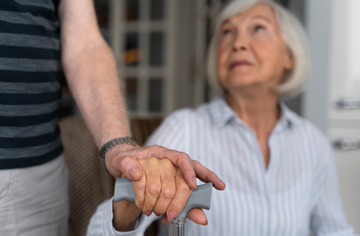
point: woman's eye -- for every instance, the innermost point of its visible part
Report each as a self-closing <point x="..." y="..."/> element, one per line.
<point x="259" y="28"/>
<point x="226" y="32"/>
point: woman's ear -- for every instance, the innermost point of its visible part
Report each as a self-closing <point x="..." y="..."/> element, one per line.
<point x="288" y="60"/>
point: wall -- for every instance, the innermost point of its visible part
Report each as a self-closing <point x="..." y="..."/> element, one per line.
<point x="318" y="23"/>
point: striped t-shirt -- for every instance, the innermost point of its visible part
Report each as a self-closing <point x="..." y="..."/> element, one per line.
<point x="29" y="91"/>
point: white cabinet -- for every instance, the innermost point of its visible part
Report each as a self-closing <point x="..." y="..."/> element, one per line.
<point x="347" y="153"/>
<point x="344" y="103"/>
<point x="345" y="61"/>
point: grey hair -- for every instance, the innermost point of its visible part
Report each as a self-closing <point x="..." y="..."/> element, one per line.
<point x="294" y="37"/>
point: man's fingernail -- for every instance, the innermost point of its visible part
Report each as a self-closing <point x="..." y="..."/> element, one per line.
<point x="157" y="214"/>
<point x="148" y="213"/>
<point x="134" y="171"/>
<point x="194" y="180"/>
<point x="141" y="206"/>
<point x="171" y="215"/>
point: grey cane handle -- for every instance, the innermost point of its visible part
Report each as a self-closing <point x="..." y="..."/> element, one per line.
<point x="199" y="198"/>
<point x="124" y="190"/>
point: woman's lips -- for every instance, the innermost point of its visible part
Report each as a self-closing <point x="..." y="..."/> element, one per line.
<point x="240" y="63"/>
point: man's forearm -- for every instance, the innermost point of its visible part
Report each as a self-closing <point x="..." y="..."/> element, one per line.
<point x="93" y="81"/>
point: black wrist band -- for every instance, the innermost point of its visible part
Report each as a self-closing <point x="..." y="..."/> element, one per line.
<point x="114" y="142"/>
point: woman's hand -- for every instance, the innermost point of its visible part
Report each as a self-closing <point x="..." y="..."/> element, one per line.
<point x="162" y="189"/>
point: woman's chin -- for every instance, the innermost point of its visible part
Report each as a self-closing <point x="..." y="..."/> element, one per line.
<point x="241" y="85"/>
<point x="241" y="79"/>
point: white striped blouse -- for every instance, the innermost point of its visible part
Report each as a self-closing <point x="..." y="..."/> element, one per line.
<point x="298" y="190"/>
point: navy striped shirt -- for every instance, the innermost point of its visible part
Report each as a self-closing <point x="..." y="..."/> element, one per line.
<point x="298" y="190"/>
<point x="29" y="91"/>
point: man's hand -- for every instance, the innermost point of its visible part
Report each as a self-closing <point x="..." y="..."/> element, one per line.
<point x="123" y="159"/>
<point x="161" y="189"/>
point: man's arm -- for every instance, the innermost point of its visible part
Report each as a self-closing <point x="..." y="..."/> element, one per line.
<point x="90" y="69"/>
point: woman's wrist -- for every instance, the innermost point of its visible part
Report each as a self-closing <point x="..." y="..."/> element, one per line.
<point x="125" y="215"/>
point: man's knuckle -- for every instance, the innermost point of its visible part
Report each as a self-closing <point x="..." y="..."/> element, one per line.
<point x="184" y="159"/>
<point x="157" y="147"/>
<point x="178" y="156"/>
<point x="185" y="155"/>
<point x="195" y="163"/>
<point x="125" y="162"/>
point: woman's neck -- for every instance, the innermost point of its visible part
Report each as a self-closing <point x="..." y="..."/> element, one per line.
<point x="260" y="111"/>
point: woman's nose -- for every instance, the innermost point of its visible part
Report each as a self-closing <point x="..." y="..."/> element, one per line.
<point x="241" y="48"/>
<point x="240" y="44"/>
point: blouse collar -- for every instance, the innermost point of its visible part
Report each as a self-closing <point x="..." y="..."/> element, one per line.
<point x="222" y="113"/>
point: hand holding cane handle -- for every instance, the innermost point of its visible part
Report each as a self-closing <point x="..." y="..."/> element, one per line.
<point x="199" y="198"/>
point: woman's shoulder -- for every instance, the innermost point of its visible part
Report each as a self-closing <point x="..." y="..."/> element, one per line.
<point x="176" y="130"/>
<point x="305" y="127"/>
<point x="190" y="115"/>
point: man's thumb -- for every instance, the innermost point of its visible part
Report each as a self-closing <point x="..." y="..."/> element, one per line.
<point x="131" y="168"/>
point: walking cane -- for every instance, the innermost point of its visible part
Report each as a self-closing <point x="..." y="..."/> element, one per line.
<point x="199" y="198"/>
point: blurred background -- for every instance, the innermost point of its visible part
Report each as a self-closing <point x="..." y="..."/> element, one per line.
<point x="160" y="47"/>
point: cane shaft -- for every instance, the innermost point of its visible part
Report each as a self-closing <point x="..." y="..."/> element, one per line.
<point x="177" y="227"/>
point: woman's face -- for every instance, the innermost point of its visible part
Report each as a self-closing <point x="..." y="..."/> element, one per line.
<point x="251" y="50"/>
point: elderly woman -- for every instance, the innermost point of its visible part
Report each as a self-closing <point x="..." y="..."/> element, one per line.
<point x="279" y="168"/>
